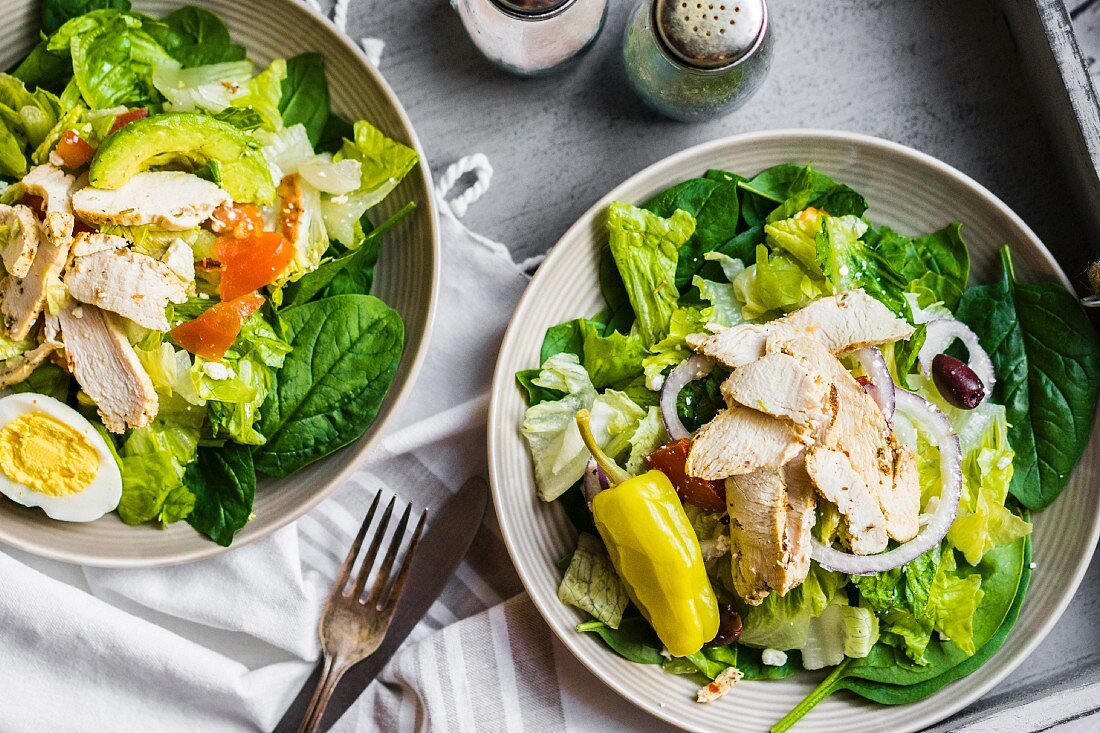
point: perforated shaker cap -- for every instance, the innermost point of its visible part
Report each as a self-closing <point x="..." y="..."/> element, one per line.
<point x="710" y="34"/>
<point x="532" y="8"/>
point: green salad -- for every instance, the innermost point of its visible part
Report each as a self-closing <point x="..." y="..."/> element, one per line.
<point x="188" y="249"/>
<point x="797" y="440"/>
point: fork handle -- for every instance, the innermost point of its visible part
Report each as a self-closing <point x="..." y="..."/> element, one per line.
<point x="331" y="672"/>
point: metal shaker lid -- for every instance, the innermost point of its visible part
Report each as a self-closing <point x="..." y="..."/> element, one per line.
<point x="529" y="8"/>
<point x="710" y="34"/>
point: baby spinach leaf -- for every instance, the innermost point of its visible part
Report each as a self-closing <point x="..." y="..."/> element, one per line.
<point x="56" y="12"/>
<point x="1004" y="574"/>
<point x="714" y="202"/>
<point x="346" y="349"/>
<point x="199" y="38"/>
<point x="305" y="94"/>
<point x="564" y="338"/>
<point x="620" y="313"/>
<point x="1047" y="359"/>
<point x="223" y="481"/>
<point x="352" y="273"/>
<point x="536" y="394"/>
<point x="635" y="639"/>
<point x="938" y="261"/>
<point x="336" y="131"/>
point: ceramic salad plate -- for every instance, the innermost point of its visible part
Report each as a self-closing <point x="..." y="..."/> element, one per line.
<point x="884" y="633"/>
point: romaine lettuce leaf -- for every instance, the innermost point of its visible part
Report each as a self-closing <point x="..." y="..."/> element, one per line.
<point x="263" y="95"/>
<point x="153" y="460"/>
<point x="211" y="88"/>
<point x="673" y="348"/>
<point x="645" y="247"/>
<point x="775" y="284"/>
<point x="783" y="622"/>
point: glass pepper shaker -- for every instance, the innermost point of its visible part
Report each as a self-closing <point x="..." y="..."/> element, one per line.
<point x="693" y="60"/>
<point x="532" y="37"/>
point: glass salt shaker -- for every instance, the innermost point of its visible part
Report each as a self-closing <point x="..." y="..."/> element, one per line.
<point x="693" y="60"/>
<point x="532" y="37"/>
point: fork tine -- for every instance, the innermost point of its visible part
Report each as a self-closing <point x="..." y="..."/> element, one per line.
<point x="403" y="571"/>
<point x="391" y="555"/>
<point x="372" y="551"/>
<point x="349" y="561"/>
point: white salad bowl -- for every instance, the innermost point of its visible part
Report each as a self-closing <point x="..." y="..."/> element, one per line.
<point x="906" y="190"/>
<point x="406" y="278"/>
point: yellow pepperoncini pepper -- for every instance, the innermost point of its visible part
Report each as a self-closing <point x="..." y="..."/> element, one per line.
<point x="655" y="551"/>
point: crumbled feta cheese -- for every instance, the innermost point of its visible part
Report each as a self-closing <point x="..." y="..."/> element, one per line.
<point x="216" y="370"/>
<point x="666" y="653"/>
<point x="1033" y="566"/>
<point x="722" y="684"/>
<point x="773" y="657"/>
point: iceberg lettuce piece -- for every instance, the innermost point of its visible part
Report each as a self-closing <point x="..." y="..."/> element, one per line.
<point x="550" y="428"/>
<point x="591" y="583"/>
<point x="382" y="164"/>
<point x="783" y="622"/>
<point x="211" y="88"/>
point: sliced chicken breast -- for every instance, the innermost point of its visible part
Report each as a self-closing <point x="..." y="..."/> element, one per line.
<point x="848" y="321"/>
<point x="23" y="233"/>
<point x="88" y="243"/>
<point x="106" y="367"/>
<point x="172" y="200"/>
<point x="771" y="516"/>
<point x="17" y="369"/>
<point x="54" y="186"/>
<point x="740" y="440"/>
<point x="22" y="298"/>
<point x="841" y="322"/>
<point x="837" y="481"/>
<point x="778" y="384"/>
<point x="861" y="432"/>
<point x="903" y="507"/>
<point x="128" y="283"/>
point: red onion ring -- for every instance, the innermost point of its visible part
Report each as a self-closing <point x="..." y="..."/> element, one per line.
<point x="595" y="481"/>
<point x="694" y="367"/>
<point x="938" y="336"/>
<point x="881" y="387"/>
<point x="932" y="420"/>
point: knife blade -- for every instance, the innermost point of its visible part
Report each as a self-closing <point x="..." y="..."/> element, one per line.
<point x="450" y="531"/>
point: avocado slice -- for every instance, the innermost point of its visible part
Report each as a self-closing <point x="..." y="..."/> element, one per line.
<point x="186" y="140"/>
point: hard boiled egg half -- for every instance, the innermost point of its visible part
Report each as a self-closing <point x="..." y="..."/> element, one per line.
<point x="51" y="457"/>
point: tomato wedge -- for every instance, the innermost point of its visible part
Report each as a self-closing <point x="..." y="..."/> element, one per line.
<point x="251" y="263"/>
<point x="74" y="150"/>
<point x="670" y="460"/>
<point x="214" y="331"/>
<point x="127" y="117"/>
<point x="237" y="220"/>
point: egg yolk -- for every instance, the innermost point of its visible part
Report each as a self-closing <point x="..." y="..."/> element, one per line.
<point x="46" y="455"/>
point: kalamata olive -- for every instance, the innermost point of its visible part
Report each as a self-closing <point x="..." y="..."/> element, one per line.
<point x="957" y="382"/>
<point x="729" y="626"/>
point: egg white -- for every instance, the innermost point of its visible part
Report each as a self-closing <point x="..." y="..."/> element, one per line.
<point x="99" y="497"/>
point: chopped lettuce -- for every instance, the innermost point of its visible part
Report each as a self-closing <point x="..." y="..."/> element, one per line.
<point x="783" y="622"/>
<point x="591" y="584"/>
<point x="611" y="359"/>
<point x="550" y="428"/>
<point x="645" y="247"/>
<point x="153" y="460"/>
<point x="840" y="631"/>
<point x="673" y="348"/>
<point x="648" y="437"/>
<point x="775" y="284"/>
<point x="382" y="163"/>
<point x="263" y="94"/>
<point x="211" y="88"/>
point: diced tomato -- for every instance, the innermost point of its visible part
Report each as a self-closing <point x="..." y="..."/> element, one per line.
<point x="237" y="220"/>
<point x="74" y="150"/>
<point x="214" y="331"/>
<point x="670" y="460"/>
<point x="249" y="264"/>
<point x="127" y="117"/>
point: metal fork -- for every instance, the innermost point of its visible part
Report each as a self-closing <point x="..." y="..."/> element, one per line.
<point x="352" y="627"/>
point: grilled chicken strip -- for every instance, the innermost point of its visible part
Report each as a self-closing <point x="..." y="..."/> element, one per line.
<point x="172" y="200"/>
<point x="740" y="440"/>
<point x="771" y="514"/>
<point x="18" y="368"/>
<point x="841" y="323"/>
<point x="122" y="281"/>
<point x="106" y="367"/>
<point x="836" y="480"/>
<point x="778" y="384"/>
<point x="22" y="298"/>
<point x="23" y="234"/>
